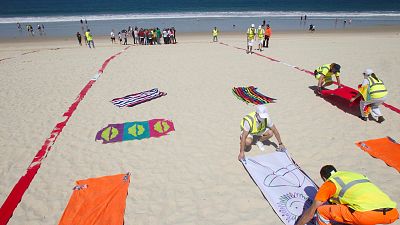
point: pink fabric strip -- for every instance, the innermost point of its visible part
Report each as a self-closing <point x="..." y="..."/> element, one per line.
<point x="13" y="199"/>
<point x="393" y="108"/>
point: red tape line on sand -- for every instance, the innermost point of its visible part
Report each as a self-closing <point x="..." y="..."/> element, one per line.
<point x="393" y="108"/>
<point x="13" y="199"/>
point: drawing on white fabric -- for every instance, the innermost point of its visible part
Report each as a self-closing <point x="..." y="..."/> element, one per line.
<point x="286" y="187"/>
<point x="286" y="176"/>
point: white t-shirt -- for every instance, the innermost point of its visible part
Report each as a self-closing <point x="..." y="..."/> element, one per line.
<point x="112" y="34"/>
<point x="365" y="82"/>
<point x="246" y="126"/>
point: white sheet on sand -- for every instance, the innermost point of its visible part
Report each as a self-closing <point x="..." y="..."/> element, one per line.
<point x="286" y="187"/>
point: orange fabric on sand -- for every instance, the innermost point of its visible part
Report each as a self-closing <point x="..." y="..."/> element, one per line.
<point x="97" y="201"/>
<point x="325" y="192"/>
<point x="342" y="214"/>
<point x="383" y="148"/>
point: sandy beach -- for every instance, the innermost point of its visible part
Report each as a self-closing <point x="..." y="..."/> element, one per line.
<point x="191" y="176"/>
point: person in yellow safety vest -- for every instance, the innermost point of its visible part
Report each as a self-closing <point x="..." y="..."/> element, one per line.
<point x="251" y="32"/>
<point x="374" y="93"/>
<point x="215" y="34"/>
<point x="257" y="126"/>
<point x="354" y="200"/>
<point x="324" y="75"/>
<point x="89" y="38"/>
<point x="260" y="34"/>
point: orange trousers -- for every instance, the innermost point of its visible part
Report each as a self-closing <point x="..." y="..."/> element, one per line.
<point x="341" y="213"/>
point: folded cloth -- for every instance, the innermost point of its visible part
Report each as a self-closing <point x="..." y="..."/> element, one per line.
<point x="251" y="95"/>
<point x="138" y="98"/>
<point x="385" y="149"/>
<point x="97" y="201"/>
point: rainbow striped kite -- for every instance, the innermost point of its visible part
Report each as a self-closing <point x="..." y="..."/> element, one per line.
<point x="251" y="95"/>
<point x="138" y="98"/>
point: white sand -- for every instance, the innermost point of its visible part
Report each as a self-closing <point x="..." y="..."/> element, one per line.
<point x="191" y="176"/>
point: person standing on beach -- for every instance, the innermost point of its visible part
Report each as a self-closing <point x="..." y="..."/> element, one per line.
<point x="349" y="198"/>
<point x="79" y="37"/>
<point x="324" y="75"/>
<point x="112" y="37"/>
<point x="119" y="37"/>
<point x="89" y="38"/>
<point x="260" y="34"/>
<point x="251" y="33"/>
<point x="374" y="93"/>
<point x="268" y="33"/>
<point x="257" y="125"/>
<point x="136" y="36"/>
<point x="125" y="35"/>
<point x="215" y="34"/>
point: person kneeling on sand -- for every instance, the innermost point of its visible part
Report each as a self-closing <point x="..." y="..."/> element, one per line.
<point x="354" y="200"/>
<point x="257" y="124"/>
<point x="374" y="94"/>
<point x="324" y="75"/>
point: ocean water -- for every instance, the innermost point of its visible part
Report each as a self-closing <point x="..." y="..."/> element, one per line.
<point x="61" y="17"/>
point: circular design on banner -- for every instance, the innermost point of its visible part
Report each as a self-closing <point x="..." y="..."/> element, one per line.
<point x="292" y="205"/>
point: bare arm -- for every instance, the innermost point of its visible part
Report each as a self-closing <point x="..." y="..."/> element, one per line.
<point x="277" y="136"/>
<point x="338" y="81"/>
<point x="355" y="97"/>
<point x="242" y="144"/>
<point x="309" y="213"/>
<point x="321" y="79"/>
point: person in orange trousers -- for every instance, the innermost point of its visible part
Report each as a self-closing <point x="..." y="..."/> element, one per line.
<point x="354" y="200"/>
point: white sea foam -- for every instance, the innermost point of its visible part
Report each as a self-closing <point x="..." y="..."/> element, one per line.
<point x="179" y="15"/>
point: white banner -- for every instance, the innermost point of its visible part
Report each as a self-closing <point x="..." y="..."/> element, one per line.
<point x="286" y="187"/>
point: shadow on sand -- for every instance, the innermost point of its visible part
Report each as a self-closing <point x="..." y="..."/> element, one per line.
<point x="340" y="103"/>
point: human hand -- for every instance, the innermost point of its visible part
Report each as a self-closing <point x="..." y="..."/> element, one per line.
<point x="281" y="147"/>
<point x="241" y="156"/>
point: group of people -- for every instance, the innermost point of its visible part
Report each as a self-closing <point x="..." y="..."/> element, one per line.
<point x="263" y="34"/>
<point x="345" y="197"/>
<point x="145" y="36"/>
<point x="31" y="31"/>
<point x="88" y="37"/>
<point x="372" y="89"/>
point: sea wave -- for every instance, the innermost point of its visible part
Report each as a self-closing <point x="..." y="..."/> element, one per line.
<point x="183" y="15"/>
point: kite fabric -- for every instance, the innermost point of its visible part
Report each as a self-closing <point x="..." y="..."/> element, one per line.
<point x="285" y="186"/>
<point x="251" y="95"/>
<point x="97" y="201"/>
<point x="346" y="93"/>
<point x="385" y="149"/>
<point x="134" y="130"/>
<point x="138" y="98"/>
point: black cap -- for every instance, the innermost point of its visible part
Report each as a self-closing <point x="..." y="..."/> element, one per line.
<point x="326" y="171"/>
<point x="335" y="67"/>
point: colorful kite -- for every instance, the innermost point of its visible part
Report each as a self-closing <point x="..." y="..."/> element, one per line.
<point x="97" y="201"/>
<point x="251" y="95"/>
<point x="138" y="98"/>
<point x="386" y="149"/>
<point x="134" y="130"/>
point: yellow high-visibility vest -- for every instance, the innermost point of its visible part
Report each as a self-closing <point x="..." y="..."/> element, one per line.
<point x="357" y="192"/>
<point x="376" y="88"/>
<point x="252" y="120"/>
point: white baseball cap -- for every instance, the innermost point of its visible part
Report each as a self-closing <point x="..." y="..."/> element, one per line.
<point x="261" y="110"/>
<point x="252" y="25"/>
<point x="368" y="72"/>
<point x="259" y="26"/>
